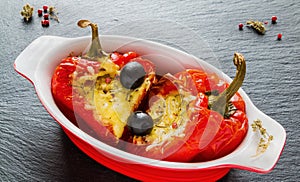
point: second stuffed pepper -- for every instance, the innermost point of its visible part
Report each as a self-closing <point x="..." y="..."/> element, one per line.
<point x="196" y="117"/>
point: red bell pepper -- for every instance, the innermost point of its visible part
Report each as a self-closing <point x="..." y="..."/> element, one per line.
<point x="207" y="119"/>
<point x="71" y="95"/>
<point x="72" y="103"/>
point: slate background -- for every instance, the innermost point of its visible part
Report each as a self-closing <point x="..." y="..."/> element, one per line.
<point x="34" y="148"/>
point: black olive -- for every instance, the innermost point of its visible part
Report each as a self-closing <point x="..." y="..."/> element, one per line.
<point x="140" y="123"/>
<point x="132" y="75"/>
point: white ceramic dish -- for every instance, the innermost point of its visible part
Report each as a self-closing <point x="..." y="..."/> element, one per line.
<point x="38" y="61"/>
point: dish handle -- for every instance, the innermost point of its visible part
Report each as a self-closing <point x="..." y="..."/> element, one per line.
<point x="252" y="157"/>
<point x="45" y="48"/>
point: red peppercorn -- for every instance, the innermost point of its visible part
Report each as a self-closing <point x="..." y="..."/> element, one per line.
<point x="45" y="8"/>
<point x="274" y="19"/>
<point x="45" y="23"/>
<point x="107" y="80"/>
<point x="266" y="22"/>
<point x="174" y="125"/>
<point x="279" y="36"/>
<point x="241" y="26"/>
<point x="40" y="12"/>
<point x="46" y="16"/>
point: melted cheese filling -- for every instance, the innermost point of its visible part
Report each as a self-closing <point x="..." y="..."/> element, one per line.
<point x="170" y="115"/>
<point x="114" y="103"/>
<point x="111" y="102"/>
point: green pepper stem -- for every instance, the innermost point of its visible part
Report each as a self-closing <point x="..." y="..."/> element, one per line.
<point x="220" y="103"/>
<point x="95" y="50"/>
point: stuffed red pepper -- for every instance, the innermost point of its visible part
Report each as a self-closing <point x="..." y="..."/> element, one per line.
<point x="196" y="117"/>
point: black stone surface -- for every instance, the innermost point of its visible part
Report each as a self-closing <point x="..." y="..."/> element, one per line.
<point x="34" y="148"/>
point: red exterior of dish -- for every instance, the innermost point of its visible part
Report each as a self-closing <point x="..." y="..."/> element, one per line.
<point x="146" y="172"/>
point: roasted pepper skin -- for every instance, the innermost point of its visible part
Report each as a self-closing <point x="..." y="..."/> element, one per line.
<point x="208" y="135"/>
<point x="214" y="136"/>
<point x="71" y="103"/>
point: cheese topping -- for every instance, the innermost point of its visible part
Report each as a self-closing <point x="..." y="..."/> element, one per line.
<point x="113" y="102"/>
<point x="104" y="94"/>
<point x="170" y="115"/>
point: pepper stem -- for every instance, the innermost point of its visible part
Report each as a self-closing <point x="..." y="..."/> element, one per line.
<point x="95" y="52"/>
<point x="220" y="103"/>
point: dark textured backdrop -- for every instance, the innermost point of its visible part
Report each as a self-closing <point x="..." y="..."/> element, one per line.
<point x="34" y="148"/>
